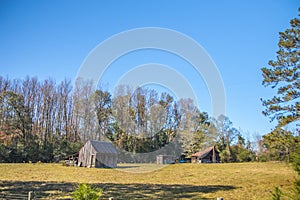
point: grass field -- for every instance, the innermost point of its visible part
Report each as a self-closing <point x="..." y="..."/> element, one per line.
<point x="132" y="181"/>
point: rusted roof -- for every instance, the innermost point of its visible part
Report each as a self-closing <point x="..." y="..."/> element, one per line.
<point x="203" y="153"/>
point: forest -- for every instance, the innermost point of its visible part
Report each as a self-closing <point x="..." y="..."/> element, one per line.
<point x="45" y="121"/>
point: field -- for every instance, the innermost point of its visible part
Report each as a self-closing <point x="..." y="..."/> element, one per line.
<point x="146" y="181"/>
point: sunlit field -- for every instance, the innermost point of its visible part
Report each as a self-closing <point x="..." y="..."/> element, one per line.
<point x="149" y="181"/>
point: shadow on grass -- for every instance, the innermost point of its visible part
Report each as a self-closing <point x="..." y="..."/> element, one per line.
<point x="126" y="167"/>
<point x="55" y="190"/>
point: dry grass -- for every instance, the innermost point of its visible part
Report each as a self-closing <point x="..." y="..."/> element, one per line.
<point x="147" y="181"/>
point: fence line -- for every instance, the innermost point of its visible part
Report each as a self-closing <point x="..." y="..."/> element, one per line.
<point x="29" y="196"/>
<point x="13" y="196"/>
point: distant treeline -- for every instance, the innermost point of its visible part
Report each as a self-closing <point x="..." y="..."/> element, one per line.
<point x="45" y="121"/>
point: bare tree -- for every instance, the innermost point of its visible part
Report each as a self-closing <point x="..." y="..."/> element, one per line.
<point x="102" y="101"/>
<point x="84" y="110"/>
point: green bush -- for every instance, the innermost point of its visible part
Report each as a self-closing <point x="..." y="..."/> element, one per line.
<point x="276" y="194"/>
<point x="86" y="192"/>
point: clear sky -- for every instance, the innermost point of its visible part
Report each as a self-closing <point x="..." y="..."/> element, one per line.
<point x="52" y="39"/>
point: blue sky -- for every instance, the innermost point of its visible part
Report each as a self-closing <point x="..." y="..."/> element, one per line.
<point x="52" y="39"/>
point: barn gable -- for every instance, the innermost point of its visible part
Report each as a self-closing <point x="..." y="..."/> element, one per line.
<point x="98" y="154"/>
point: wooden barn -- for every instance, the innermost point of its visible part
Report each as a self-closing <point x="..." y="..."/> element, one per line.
<point x="208" y="155"/>
<point x="165" y="159"/>
<point x="98" y="154"/>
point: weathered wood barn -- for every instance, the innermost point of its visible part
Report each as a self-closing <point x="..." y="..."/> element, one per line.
<point x="208" y="155"/>
<point x="98" y="154"/>
<point x="165" y="159"/>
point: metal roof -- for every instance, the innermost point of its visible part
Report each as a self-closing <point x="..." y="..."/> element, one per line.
<point x="103" y="147"/>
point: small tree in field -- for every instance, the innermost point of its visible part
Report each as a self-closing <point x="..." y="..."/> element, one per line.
<point x="86" y="192"/>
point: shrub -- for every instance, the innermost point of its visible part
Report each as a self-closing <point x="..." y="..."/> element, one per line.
<point x="86" y="192"/>
<point x="276" y="194"/>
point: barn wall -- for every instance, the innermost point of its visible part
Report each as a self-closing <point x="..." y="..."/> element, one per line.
<point x="85" y="155"/>
<point x="81" y="157"/>
<point x="106" y="160"/>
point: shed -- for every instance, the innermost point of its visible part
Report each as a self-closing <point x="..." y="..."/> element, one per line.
<point x="208" y="155"/>
<point x="165" y="159"/>
<point x="98" y="154"/>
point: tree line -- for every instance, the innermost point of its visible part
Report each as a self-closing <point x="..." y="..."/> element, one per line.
<point x="36" y="120"/>
<point x="45" y="121"/>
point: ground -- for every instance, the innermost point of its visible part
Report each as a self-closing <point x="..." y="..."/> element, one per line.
<point x="150" y="181"/>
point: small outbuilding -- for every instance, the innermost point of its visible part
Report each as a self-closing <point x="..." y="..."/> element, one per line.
<point x="208" y="155"/>
<point x="98" y="154"/>
<point x="165" y="159"/>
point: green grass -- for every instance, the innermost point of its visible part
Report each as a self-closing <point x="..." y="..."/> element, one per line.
<point x="150" y="181"/>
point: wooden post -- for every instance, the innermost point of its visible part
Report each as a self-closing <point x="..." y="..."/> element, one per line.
<point x="30" y="195"/>
<point x="214" y="158"/>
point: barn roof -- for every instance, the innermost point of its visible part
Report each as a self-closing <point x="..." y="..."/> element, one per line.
<point x="103" y="147"/>
<point x="203" y="153"/>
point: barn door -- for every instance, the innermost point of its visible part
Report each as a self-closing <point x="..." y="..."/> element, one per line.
<point x="92" y="160"/>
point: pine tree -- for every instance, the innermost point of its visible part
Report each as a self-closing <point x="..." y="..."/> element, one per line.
<point x="283" y="74"/>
